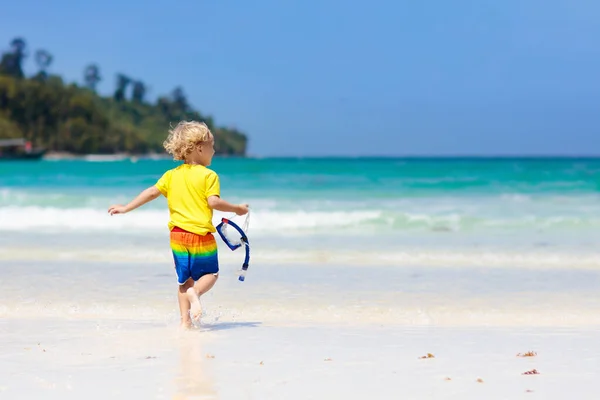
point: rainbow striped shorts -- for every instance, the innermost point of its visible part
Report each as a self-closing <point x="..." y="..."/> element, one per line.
<point x="194" y="255"/>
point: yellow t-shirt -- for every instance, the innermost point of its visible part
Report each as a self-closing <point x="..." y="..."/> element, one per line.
<point x="187" y="189"/>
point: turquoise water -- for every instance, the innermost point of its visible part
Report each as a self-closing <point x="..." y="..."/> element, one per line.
<point x="328" y="177"/>
<point x="390" y="211"/>
<point x="307" y="195"/>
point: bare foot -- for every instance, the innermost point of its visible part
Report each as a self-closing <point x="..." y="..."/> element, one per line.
<point x="195" y="306"/>
<point x="186" y="325"/>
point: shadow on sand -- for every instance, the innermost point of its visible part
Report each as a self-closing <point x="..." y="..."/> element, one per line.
<point x="220" y="326"/>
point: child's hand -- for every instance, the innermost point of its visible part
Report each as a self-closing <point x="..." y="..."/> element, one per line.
<point x="242" y="209"/>
<point x="117" y="209"/>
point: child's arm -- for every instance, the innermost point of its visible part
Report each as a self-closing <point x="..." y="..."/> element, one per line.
<point x="217" y="203"/>
<point x="145" y="196"/>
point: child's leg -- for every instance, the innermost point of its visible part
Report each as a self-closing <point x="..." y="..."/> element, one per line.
<point x="204" y="266"/>
<point x="202" y="285"/>
<point x="179" y="243"/>
<point x="184" y="303"/>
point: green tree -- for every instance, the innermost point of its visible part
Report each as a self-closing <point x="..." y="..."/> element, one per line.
<point x="43" y="59"/>
<point x="139" y="91"/>
<point x="123" y="82"/>
<point x="91" y="76"/>
<point x="180" y="100"/>
<point x="12" y="62"/>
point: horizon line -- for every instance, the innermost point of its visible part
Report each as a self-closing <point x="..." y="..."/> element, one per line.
<point x="431" y="156"/>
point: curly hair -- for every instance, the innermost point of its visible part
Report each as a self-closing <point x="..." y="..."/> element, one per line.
<point x="182" y="139"/>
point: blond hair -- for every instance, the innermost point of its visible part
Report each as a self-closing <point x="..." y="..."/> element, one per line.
<point x="182" y="139"/>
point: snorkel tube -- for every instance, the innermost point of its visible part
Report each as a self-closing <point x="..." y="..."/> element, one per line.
<point x="234" y="246"/>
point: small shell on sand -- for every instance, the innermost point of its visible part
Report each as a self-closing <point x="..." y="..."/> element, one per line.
<point x="532" y="372"/>
<point x="528" y="354"/>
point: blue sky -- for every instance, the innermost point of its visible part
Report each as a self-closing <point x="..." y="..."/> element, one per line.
<point x="336" y="77"/>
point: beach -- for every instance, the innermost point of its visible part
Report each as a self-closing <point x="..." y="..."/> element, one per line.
<point x="358" y="269"/>
<point x="121" y="339"/>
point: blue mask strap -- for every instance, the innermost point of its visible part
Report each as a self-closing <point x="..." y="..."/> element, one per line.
<point x="235" y="246"/>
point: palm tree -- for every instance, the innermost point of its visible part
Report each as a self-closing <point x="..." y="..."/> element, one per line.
<point x="43" y="59"/>
<point x="122" y="82"/>
<point x="139" y="91"/>
<point x="91" y="76"/>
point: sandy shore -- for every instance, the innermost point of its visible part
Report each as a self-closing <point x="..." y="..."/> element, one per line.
<point x="75" y="327"/>
<point x="62" y="359"/>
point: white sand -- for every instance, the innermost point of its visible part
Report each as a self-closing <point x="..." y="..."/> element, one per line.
<point x="62" y="359"/>
<point x="321" y="332"/>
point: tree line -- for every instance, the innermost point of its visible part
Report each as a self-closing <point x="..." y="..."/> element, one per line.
<point x="62" y="116"/>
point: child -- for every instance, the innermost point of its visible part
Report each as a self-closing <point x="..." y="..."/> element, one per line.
<point x="192" y="192"/>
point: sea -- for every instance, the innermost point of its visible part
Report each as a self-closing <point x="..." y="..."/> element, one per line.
<point x="405" y="235"/>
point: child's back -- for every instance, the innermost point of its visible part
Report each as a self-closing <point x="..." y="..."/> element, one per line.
<point x="187" y="189"/>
